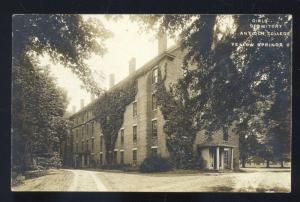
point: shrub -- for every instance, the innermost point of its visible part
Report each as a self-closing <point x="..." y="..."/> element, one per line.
<point x="196" y="162"/>
<point x="123" y="167"/>
<point x="34" y="173"/>
<point x="49" y="161"/>
<point x="155" y="164"/>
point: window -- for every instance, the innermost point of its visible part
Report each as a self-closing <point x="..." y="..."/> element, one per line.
<point x="121" y="157"/>
<point x="115" y="157"/>
<point x="93" y="145"/>
<point x="87" y="129"/>
<point x="154" y="151"/>
<point x="122" y="136"/>
<point x="225" y="135"/>
<point x="101" y="142"/>
<point x="77" y="132"/>
<point x="82" y="132"/>
<point x="92" y="129"/>
<point x="87" y="145"/>
<point x="134" y="108"/>
<point x="134" y="133"/>
<point x="101" y="158"/>
<point x="134" y="157"/>
<point x="154" y="128"/>
<point x="76" y="147"/>
<point x="154" y="103"/>
<point x="155" y="76"/>
<point x="82" y="146"/>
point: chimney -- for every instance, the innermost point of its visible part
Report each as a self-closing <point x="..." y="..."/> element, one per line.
<point x="81" y="103"/>
<point x="162" y="42"/>
<point x="111" y="80"/>
<point x="73" y="109"/>
<point x="132" y="65"/>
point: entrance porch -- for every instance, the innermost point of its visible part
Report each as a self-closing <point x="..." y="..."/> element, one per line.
<point x="218" y="157"/>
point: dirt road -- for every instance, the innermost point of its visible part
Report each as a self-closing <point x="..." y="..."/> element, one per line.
<point x="251" y="180"/>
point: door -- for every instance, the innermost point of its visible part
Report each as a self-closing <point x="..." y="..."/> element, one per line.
<point x="226" y="159"/>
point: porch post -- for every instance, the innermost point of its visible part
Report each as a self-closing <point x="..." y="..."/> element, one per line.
<point x="222" y="159"/>
<point x="218" y="158"/>
<point x="232" y="158"/>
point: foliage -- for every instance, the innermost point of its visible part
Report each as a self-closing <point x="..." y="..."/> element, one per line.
<point x="109" y="112"/>
<point x="155" y="164"/>
<point x="68" y="39"/>
<point x="231" y="83"/>
<point x="175" y="106"/>
<point x="123" y="167"/>
<point x="52" y="160"/>
<point x="38" y="105"/>
<point x="38" y="108"/>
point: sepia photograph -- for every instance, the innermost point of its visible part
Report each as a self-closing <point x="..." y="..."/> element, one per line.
<point x="151" y="103"/>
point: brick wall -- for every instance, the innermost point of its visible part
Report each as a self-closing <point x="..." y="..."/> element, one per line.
<point x="143" y="120"/>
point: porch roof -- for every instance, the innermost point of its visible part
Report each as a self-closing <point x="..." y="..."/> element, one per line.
<point x="216" y="145"/>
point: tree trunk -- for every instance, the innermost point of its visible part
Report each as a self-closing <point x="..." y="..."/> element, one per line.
<point x="243" y="163"/>
<point x="281" y="162"/>
<point x="268" y="164"/>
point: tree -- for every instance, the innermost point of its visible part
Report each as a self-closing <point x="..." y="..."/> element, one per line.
<point x="109" y="112"/>
<point x="38" y="108"/>
<point x="175" y="105"/>
<point x="68" y="39"/>
<point x="229" y="81"/>
<point x="38" y="105"/>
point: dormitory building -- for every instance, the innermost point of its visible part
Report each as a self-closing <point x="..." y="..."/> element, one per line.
<point x="141" y="134"/>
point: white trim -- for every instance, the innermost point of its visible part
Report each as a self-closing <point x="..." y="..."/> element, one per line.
<point x="121" y="129"/>
<point x="135" y="148"/>
<point x="101" y="152"/>
<point x="116" y="150"/>
<point x="153" y="147"/>
<point x="121" y="150"/>
<point x="135" y="124"/>
<point x="154" y="119"/>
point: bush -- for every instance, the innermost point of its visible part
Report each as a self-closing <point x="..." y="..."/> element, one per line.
<point x="195" y="163"/>
<point x="155" y="164"/>
<point x="49" y="161"/>
<point x="123" y="167"/>
<point x="34" y="173"/>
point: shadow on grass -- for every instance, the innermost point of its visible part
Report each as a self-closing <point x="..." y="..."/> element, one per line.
<point x="222" y="189"/>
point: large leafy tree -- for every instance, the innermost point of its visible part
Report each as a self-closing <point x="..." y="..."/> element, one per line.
<point x="233" y="82"/>
<point x="68" y="39"/>
<point x="38" y="105"/>
<point x="180" y="128"/>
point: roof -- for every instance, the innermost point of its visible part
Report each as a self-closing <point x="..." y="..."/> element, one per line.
<point x="215" y="145"/>
<point x="139" y="72"/>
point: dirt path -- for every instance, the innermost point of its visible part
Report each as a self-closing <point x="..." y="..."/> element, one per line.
<point x="55" y="180"/>
<point x="251" y="180"/>
<point x="85" y="181"/>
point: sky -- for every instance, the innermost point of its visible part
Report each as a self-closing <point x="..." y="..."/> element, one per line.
<point x="128" y="41"/>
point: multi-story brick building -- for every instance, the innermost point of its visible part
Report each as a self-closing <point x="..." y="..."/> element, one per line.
<point x="142" y="134"/>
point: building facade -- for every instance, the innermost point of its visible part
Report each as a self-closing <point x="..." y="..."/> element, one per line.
<point x="141" y="134"/>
